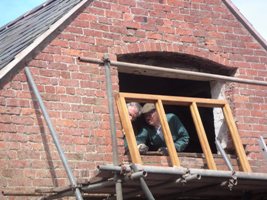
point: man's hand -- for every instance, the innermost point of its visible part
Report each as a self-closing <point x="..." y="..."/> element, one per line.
<point x="163" y="150"/>
<point x="142" y="148"/>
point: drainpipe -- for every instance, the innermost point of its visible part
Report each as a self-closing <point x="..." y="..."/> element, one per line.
<point x="53" y="134"/>
<point x="112" y="125"/>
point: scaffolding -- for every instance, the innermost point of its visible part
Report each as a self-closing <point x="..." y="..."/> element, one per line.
<point x="124" y="181"/>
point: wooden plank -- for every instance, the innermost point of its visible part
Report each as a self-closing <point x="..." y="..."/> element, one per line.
<point x="174" y="100"/>
<point x="167" y="134"/>
<point x="236" y="139"/>
<point x="128" y="129"/>
<point x="202" y="136"/>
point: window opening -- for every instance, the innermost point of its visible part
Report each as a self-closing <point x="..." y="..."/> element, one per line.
<point x="145" y="81"/>
<point x="177" y="87"/>
<point x="194" y="104"/>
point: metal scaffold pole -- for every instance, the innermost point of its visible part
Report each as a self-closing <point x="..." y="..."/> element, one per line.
<point x="118" y="185"/>
<point x="186" y="73"/>
<point x="225" y="157"/>
<point x="53" y="134"/>
<point x="263" y="146"/>
<point x="143" y="184"/>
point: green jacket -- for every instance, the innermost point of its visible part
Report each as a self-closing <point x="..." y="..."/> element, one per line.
<point x="148" y="135"/>
<point x="138" y="124"/>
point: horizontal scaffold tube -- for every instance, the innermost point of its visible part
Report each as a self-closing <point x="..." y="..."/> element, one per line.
<point x="137" y="175"/>
<point x="206" y="76"/>
<point x="98" y="186"/>
<point x="182" y="171"/>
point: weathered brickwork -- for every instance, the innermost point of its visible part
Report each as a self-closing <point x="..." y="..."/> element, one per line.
<point x="74" y="92"/>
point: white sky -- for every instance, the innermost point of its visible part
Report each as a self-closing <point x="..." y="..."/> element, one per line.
<point x="253" y="10"/>
<point x="11" y="9"/>
<point x="256" y="13"/>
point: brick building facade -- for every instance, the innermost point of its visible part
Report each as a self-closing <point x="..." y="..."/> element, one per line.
<point x="196" y="35"/>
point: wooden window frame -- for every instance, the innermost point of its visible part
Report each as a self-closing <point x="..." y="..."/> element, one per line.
<point x="193" y="104"/>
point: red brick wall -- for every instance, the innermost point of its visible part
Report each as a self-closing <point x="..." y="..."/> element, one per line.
<point x="75" y="96"/>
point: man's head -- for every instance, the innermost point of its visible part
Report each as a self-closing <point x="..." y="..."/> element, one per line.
<point x="151" y="115"/>
<point x="134" y="110"/>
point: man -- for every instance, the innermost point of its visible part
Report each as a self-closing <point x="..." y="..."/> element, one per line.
<point x="135" y="111"/>
<point x="153" y="135"/>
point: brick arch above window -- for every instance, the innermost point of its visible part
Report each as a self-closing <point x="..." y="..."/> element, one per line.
<point x="165" y="48"/>
<point x="157" y="54"/>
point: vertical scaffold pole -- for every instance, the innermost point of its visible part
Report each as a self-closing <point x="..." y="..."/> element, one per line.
<point x="225" y="157"/>
<point x="53" y="134"/>
<point x="143" y="184"/>
<point x="112" y="124"/>
<point x="263" y="147"/>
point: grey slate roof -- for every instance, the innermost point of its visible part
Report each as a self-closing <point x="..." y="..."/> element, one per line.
<point x="20" y="33"/>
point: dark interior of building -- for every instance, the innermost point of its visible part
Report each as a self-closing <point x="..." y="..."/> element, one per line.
<point x="175" y="87"/>
<point x="167" y="83"/>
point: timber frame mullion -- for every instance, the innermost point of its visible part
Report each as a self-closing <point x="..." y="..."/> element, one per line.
<point x="202" y="136"/>
<point x="128" y="130"/>
<point x="193" y="103"/>
<point x="167" y="134"/>
<point x="236" y="140"/>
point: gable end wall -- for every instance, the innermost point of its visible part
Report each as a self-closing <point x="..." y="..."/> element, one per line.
<point x="75" y="93"/>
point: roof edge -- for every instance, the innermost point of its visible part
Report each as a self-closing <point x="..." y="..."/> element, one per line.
<point x="38" y="41"/>
<point x="246" y="23"/>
